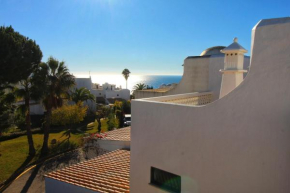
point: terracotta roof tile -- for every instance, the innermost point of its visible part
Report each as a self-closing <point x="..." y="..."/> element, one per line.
<point x="123" y="134"/>
<point x="106" y="173"/>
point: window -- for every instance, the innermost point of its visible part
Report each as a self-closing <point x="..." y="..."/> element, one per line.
<point x="165" y="180"/>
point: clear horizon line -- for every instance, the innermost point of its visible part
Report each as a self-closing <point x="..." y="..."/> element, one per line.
<point x="113" y="74"/>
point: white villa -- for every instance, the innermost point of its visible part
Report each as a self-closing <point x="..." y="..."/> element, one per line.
<point x="212" y="133"/>
<point x="106" y="90"/>
<point x="106" y="93"/>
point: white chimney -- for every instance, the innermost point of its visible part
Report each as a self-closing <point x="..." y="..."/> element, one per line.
<point x="233" y="68"/>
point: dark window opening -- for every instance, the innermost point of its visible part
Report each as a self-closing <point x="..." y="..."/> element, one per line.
<point x="117" y="94"/>
<point x="165" y="180"/>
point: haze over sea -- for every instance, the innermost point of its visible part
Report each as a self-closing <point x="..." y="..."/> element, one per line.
<point x="119" y="80"/>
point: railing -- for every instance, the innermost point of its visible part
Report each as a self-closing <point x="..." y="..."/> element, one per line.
<point x="192" y="99"/>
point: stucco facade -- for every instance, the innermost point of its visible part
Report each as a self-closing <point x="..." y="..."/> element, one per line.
<point x="106" y="91"/>
<point x="239" y="143"/>
<point x="200" y="74"/>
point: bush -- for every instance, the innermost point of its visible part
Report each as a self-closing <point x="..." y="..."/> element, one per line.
<point x="68" y="115"/>
<point x="19" y="120"/>
<point x="112" y="122"/>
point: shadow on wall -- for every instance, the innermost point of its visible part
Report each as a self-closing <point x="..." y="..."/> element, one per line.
<point x="239" y="143"/>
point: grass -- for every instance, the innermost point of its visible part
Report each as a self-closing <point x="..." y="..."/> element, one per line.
<point x="15" y="151"/>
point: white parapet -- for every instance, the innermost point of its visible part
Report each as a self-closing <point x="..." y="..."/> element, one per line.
<point x="239" y="143"/>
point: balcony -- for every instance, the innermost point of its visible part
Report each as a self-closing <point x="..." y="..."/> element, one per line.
<point x="190" y="99"/>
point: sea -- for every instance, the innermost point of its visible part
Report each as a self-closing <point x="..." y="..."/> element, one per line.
<point x="150" y="80"/>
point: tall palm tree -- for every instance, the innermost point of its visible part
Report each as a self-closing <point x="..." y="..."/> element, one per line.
<point x="82" y="94"/>
<point x="27" y="91"/>
<point x="126" y="74"/>
<point x="57" y="81"/>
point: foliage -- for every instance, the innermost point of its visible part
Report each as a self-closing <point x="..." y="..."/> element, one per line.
<point x="56" y="82"/>
<point x="28" y="89"/>
<point x="149" y="87"/>
<point x="126" y="106"/>
<point x="112" y="122"/>
<point x="140" y="86"/>
<point x="17" y="148"/>
<point x="120" y="109"/>
<point x="102" y="112"/>
<point x="82" y="94"/>
<point x="19" y="119"/>
<point x="68" y="115"/>
<point x="7" y="99"/>
<point x="19" y="56"/>
<point x="126" y="74"/>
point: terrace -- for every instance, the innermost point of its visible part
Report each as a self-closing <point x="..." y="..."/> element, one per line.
<point x="190" y="99"/>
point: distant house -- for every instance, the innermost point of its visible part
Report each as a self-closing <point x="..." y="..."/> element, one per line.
<point x="107" y="93"/>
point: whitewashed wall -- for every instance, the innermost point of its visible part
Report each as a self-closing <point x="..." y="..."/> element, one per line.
<point x="124" y="94"/>
<point x="201" y="74"/>
<point x="36" y="109"/>
<point x="239" y="143"/>
<point x="84" y="82"/>
<point x="112" y="145"/>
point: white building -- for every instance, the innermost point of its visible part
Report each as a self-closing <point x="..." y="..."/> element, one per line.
<point x="200" y="74"/>
<point x="238" y="143"/>
<point x="106" y="91"/>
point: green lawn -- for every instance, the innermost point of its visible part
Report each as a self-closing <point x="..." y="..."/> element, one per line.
<point x="14" y="151"/>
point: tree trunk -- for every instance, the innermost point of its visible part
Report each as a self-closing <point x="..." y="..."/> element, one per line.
<point x="28" y="127"/>
<point x="99" y="125"/>
<point x="44" y="149"/>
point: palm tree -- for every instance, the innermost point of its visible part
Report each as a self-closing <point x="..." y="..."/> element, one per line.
<point x="57" y="81"/>
<point x="126" y="74"/>
<point x="28" y="91"/>
<point x="102" y="112"/>
<point x="82" y="94"/>
<point x="140" y="86"/>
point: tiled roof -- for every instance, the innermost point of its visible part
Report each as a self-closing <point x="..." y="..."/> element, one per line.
<point x="107" y="173"/>
<point x="123" y="134"/>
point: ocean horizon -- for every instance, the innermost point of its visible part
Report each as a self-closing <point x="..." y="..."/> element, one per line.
<point x="119" y="80"/>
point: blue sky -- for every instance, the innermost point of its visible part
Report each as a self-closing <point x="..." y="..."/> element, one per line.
<point x="145" y="36"/>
